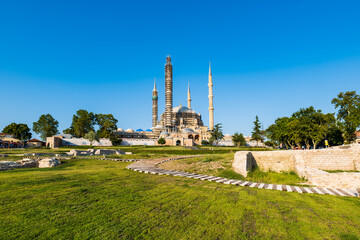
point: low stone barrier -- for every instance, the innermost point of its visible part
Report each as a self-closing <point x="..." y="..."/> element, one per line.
<point x="151" y="166"/>
<point x="92" y="152"/>
<point x="24" y="163"/>
<point x="305" y="163"/>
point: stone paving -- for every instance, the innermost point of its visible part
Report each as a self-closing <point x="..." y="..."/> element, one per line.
<point x="150" y="166"/>
<point x="119" y="160"/>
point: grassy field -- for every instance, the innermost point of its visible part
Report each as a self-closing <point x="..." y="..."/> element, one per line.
<point x="93" y="199"/>
<point x="165" y="150"/>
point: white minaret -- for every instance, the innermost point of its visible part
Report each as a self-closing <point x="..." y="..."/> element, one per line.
<point x="154" y="105"/>
<point x="211" y="105"/>
<point x="189" y="97"/>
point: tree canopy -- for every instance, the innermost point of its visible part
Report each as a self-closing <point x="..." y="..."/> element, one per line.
<point x="257" y="134"/>
<point x="161" y="141"/>
<point x="46" y="126"/>
<point x="238" y="139"/>
<point x="217" y="133"/>
<point x="348" y="105"/>
<point x="306" y="126"/>
<point x="92" y="137"/>
<point x="82" y="123"/>
<point x="107" y="124"/>
<point x="20" y="131"/>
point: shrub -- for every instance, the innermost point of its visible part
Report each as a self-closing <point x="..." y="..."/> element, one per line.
<point x="161" y="141"/>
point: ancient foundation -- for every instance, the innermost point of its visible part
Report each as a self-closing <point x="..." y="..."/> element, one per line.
<point x="307" y="163"/>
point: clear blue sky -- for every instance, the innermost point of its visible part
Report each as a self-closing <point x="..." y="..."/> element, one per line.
<point x="269" y="58"/>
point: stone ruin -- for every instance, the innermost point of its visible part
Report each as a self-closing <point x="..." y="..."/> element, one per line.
<point x="93" y="152"/>
<point x="29" y="163"/>
<point x="34" y="160"/>
<point x="310" y="164"/>
<point x="48" y="162"/>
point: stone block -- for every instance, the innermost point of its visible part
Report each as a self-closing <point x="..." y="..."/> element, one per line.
<point x="27" y="162"/>
<point x="49" y="162"/>
<point x="4" y="165"/>
<point x="243" y="162"/>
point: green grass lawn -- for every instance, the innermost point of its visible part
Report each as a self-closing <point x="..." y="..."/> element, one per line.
<point x="166" y="150"/>
<point x="93" y="199"/>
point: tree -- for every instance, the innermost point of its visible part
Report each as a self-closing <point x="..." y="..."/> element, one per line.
<point x="69" y="130"/>
<point x="238" y="139"/>
<point x="161" y="141"/>
<point x="46" y="126"/>
<point x="107" y="124"/>
<point x="312" y="126"/>
<point x="92" y="137"/>
<point x="115" y="140"/>
<point x="20" y="131"/>
<point x="204" y="142"/>
<point x="348" y="114"/>
<point x="257" y="134"/>
<point x="279" y="132"/>
<point x="82" y="123"/>
<point x="335" y="135"/>
<point x="270" y="144"/>
<point x="306" y="126"/>
<point x="217" y="133"/>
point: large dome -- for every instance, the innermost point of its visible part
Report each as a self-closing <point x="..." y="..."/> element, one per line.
<point x="120" y="130"/>
<point x="188" y="130"/>
<point x="139" y="130"/>
<point x="129" y="130"/>
<point x="181" y="109"/>
<point x="164" y="134"/>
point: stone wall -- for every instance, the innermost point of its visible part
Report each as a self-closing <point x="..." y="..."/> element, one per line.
<point x="134" y="141"/>
<point x="306" y="163"/>
<point x="332" y="159"/>
<point x="289" y="160"/>
<point x="85" y="142"/>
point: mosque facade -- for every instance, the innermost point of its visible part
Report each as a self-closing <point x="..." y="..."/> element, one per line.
<point x="181" y="125"/>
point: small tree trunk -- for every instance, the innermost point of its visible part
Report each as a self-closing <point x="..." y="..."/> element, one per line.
<point x="314" y="144"/>
<point x="291" y="145"/>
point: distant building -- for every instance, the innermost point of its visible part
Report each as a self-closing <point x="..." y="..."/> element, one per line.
<point x="35" y="143"/>
<point x="8" y="141"/>
<point x="181" y="125"/>
<point x="357" y="134"/>
<point x="69" y="140"/>
<point x="252" y="143"/>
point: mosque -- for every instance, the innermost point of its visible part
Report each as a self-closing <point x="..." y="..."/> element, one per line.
<point x="179" y="126"/>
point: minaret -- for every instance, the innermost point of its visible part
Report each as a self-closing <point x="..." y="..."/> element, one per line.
<point x="211" y="105"/>
<point x="168" y="91"/>
<point x="154" y="105"/>
<point x="189" y="97"/>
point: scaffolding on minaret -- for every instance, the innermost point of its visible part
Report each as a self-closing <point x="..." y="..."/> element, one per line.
<point x="154" y="105"/>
